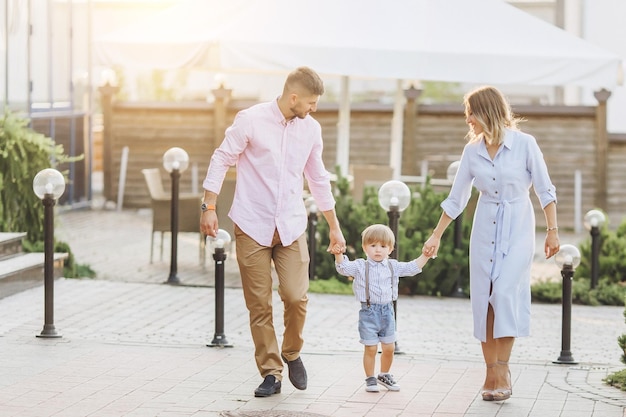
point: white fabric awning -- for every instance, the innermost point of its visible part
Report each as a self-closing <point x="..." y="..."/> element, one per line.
<point x="486" y="41"/>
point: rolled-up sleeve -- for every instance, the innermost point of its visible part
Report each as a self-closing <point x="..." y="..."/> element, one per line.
<point x="461" y="190"/>
<point x="544" y="189"/>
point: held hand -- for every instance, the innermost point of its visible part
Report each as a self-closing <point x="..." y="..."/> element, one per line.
<point x="431" y="247"/>
<point x="208" y="223"/>
<point x="552" y="245"/>
<point x="337" y="243"/>
<point x="336" y="249"/>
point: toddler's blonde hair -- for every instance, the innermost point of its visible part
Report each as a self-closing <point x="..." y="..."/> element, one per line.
<point x="378" y="233"/>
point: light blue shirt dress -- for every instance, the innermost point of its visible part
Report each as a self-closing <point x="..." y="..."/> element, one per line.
<point x="502" y="242"/>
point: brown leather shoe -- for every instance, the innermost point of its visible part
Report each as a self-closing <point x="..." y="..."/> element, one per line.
<point x="269" y="386"/>
<point x="297" y="373"/>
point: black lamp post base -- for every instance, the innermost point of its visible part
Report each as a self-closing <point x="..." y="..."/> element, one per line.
<point x="172" y="280"/>
<point x="566" y="359"/>
<point x="49" y="332"/>
<point x="219" y="341"/>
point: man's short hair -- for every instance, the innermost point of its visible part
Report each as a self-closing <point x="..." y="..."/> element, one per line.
<point x="305" y="77"/>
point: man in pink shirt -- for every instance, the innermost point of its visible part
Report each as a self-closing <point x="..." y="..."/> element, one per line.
<point x="275" y="145"/>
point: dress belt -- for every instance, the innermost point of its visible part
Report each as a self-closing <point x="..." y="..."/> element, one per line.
<point x="503" y="234"/>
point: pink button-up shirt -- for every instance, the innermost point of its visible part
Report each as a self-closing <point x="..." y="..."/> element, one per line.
<point x="271" y="155"/>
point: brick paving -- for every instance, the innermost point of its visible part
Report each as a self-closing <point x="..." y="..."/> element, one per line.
<point x="132" y="346"/>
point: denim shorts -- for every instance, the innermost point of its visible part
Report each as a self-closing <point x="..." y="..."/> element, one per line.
<point x="377" y="324"/>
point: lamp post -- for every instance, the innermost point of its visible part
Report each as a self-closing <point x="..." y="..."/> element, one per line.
<point x="458" y="231"/>
<point x="312" y="226"/>
<point x="594" y="219"/>
<point x="567" y="259"/>
<point x="49" y="185"/>
<point x="394" y="197"/>
<point x="218" y="243"/>
<point x="175" y="161"/>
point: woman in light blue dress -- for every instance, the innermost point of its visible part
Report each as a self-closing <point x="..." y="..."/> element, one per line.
<point x="502" y="163"/>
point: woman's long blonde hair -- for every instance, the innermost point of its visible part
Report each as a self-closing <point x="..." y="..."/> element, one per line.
<point x="492" y="110"/>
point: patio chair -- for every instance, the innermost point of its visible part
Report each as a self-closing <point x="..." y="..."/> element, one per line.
<point x="161" y="202"/>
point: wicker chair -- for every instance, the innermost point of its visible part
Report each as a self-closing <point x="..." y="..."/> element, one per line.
<point x="188" y="212"/>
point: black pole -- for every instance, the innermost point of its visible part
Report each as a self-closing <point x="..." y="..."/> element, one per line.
<point x="219" y="338"/>
<point x="173" y="278"/>
<point x="566" y="354"/>
<point x="458" y="239"/>
<point x="595" y="255"/>
<point x="312" y="242"/>
<point x="394" y="216"/>
<point x="49" y="330"/>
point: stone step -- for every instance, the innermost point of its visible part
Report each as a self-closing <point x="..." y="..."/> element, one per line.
<point x="10" y="244"/>
<point x="24" y="271"/>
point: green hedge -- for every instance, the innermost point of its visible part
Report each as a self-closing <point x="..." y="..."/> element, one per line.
<point x="611" y="286"/>
<point x="439" y="276"/>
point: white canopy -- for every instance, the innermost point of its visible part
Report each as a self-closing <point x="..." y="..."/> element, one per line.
<point x="484" y="41"/>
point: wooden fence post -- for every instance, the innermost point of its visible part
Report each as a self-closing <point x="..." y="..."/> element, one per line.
<point x="106" y="96"/>
<point x="410" y="159"/>
<point x="602" y="149"/>
<point x="222" y="95"/>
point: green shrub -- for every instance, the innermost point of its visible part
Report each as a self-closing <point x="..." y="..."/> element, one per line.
<point x="603" y="294"/>
<point x="71" y="269"/>
<point x="330" y="286"/>
<point x="439" y="276"/>
<point x="23" y="153"/>
<point x="612" y="262"/>
<point x="611" y="286"/>
<point x="618" y="379"/>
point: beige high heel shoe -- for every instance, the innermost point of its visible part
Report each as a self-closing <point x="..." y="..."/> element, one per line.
<point x="501" y="394"/>
<point x="487" y="394"/>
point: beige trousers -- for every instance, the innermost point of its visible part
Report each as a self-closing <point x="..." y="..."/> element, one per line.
<point x="292" y="267"/>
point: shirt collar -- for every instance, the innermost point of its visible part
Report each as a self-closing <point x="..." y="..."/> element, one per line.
<point x="376" y="263"/>
<point x="508" y="139"/>
<point x="507" y="142"/>
<point x="278" y="115"/>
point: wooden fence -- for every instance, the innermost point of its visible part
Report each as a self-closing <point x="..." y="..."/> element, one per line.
<point x="573" y="140"/>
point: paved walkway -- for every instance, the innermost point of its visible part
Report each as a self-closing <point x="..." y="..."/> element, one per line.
<point x="132" y="346"/>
